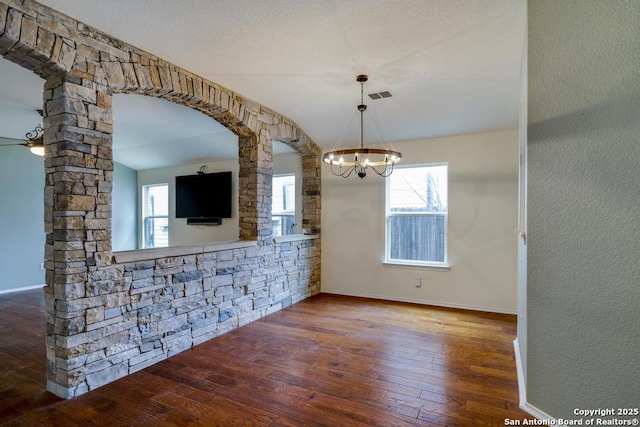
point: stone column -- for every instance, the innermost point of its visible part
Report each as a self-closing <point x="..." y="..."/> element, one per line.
<point x="79" y="171"/>
<point x="311" y="185"/>
<point x="255" y="157"/>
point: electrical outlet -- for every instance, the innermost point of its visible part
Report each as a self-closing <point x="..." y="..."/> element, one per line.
<point x="417" y="280"/>
<point x="42" y="266"/>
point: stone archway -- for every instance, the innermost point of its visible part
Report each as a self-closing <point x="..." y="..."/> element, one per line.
<point x="48" y="44"/>
<point x="96" y="330"/>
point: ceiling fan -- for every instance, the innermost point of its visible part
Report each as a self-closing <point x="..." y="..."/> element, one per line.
<point x="33" y="141"/>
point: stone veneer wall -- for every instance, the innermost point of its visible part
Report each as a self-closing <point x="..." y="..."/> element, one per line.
<point x="147" y="307"/>
<point x="106" y="316"/>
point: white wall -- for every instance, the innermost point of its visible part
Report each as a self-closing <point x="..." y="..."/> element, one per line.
<point x="483" y="214"/>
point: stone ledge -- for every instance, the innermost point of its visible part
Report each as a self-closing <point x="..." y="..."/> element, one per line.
<point x="229" y="244"/>
<point x="294" y="238"/>
<point x="147" y="254"/>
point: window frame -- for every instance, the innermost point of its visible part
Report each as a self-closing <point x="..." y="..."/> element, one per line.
<point x="145" y="217"/>
<point x="436" y="265"/>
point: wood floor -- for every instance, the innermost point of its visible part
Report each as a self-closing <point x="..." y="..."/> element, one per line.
<point x="326" y="361"/>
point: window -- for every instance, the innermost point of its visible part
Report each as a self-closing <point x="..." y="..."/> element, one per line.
<point x="155" y="215"/>
<point x="417" y="215"/>
<point x="283" y="205"/>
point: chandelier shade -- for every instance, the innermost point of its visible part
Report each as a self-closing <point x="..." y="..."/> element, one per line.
<point x="361" y="160"/>
<point x="38" y="150"/>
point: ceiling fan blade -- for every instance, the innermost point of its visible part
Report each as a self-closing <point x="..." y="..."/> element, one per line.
<point x="21" y="142"/>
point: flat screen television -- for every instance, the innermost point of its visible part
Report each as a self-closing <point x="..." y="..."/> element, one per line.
<point x="206" y="195"/>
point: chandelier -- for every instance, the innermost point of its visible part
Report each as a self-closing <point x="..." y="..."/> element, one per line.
<point x="345" y="162"/>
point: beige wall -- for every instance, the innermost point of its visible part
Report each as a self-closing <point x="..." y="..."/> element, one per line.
<point x="483" y="214"/>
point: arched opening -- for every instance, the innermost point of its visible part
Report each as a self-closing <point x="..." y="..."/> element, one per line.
<point x="155" y="141"/>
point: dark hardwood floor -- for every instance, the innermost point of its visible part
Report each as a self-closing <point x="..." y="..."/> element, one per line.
<point x="326" y="361"/>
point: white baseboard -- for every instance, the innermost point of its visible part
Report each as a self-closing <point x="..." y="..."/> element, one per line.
<point x="522" y="389"/>
<point x="25" y="288"/>
<point x="543" y="416"/>
<point x="424" y="302"/>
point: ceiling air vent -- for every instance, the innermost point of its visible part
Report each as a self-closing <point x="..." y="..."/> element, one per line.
<point x="380" y="95"/>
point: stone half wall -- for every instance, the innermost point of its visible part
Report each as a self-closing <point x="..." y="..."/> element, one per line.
<point x="151" y="304"/>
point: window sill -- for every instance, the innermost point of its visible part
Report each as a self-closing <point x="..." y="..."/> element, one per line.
<point x="437" y="267"/>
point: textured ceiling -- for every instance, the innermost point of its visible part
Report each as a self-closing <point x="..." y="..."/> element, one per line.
<point x="453" y="67"/>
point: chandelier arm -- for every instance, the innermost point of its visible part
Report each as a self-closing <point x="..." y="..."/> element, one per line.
<point x="382" y="172"/>
<point x="345" y="174"/>
<point x="351" y="169"/>
<point x="388" y="170"/>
